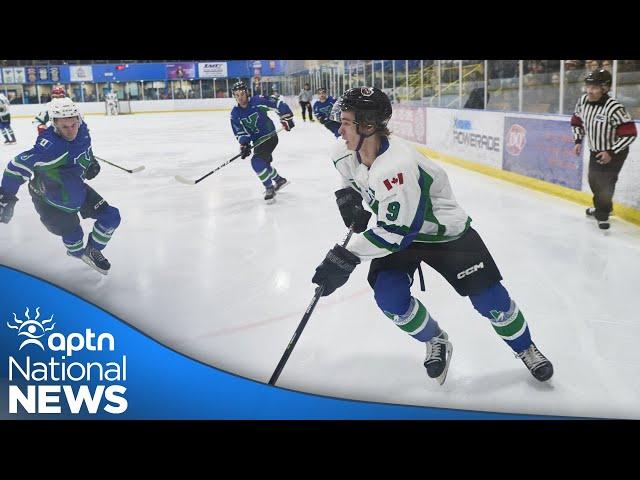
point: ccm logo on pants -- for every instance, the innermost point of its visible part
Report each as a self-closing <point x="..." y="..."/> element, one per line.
<point x="470" y="270"/>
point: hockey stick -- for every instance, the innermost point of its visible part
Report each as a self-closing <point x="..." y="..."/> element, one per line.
<point x="182" y="179"/>
<point x="135" y="170"/>
<point x="303" y="323"/>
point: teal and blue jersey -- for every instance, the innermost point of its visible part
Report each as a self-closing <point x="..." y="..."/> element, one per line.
<point x="322" y="110"/>
<point x="252" y="123"/>
<point x="55" y="167"/>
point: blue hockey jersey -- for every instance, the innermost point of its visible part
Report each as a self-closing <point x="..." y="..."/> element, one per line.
<point x="323" y="109"/>
<point x="56" y="168"/>
<point x="252" y="123"/>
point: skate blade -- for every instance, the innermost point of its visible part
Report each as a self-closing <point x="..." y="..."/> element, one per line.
<point x="443" y="375"/>
<point x="283" y="185"/>
<point x="88" y="261"/>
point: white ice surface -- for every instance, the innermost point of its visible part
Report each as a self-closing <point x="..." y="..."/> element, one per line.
<point x="212" y="271"/>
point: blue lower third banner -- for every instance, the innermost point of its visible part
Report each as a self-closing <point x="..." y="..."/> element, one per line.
<point x="542" y="149"/>
<point x="64" y="358"/>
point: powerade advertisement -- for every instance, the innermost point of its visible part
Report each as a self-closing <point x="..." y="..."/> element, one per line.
<point x="63" y="358"/>
<point x="541" y="149"/>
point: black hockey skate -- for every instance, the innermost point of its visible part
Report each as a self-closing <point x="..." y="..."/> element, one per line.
<point x="439" y="351"/>
<point x="539" y="366"/>
<point x="281" y="182"/>
<point x="590" y="212"/>
<point x="270" y="194"/>
<point x="94" y="258"/>
<point x="603" y="224"/>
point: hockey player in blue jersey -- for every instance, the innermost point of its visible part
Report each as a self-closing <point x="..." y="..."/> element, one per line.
<point x="250" y="123"/>
<point x="57" y="167"/>
<point x="322" y="111"/>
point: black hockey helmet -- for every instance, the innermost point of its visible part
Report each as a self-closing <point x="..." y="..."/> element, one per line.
<point x="599" y="77"/>
<point x="370" y="105"/>
<point x="240" y="86"/>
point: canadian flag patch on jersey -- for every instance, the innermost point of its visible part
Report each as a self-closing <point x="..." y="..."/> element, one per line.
<point x="397" y="180"/>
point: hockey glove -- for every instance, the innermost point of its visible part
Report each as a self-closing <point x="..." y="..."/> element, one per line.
<point x="287" y="121"/>
<point x="245" y="150"/>
<point x="7" y="202"/>
<point x="350" y="204"/>
<point x="92" y="170"/>
<point x="335" y="269"/>
<point x="321" y="118"/>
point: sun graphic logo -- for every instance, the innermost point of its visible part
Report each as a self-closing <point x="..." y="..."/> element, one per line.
<point x="33" y="329"/>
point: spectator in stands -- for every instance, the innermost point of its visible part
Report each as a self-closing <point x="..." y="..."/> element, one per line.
<point x="476" y="99"/>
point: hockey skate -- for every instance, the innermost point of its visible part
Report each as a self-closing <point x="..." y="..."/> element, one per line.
<point x="94" y="258"/>
<point x="539" y="366"/>
<point x="591" y="211"/>
<point x="270" y="194"/>
<point x="281" y="183"/>
<point x="603" y="224"/>
<point x="439" y="351"/>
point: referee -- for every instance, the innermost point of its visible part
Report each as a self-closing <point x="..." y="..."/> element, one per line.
<point x="610" y="130"/>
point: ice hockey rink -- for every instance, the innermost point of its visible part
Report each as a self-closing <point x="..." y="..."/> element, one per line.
<point x="212" y="271"/>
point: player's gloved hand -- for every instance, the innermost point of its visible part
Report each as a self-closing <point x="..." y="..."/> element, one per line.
<point x="287" y="121"/>
<point x="7" y="202"/>
<point x="321" y="118"/>
<point x="41" y="128"/>
<point x="335" y="269"/>
<point x="353" y="213"/>
<point x="92" y="170"/>
<point x="245" y="150"/>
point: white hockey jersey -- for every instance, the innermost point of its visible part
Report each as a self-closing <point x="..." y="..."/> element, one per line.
<point x="409" y="193"/>
<point x="4" y="105"/>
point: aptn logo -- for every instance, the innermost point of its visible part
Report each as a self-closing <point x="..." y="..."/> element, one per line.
<point x="33" y="329"/>
<point x="81" y="374"/>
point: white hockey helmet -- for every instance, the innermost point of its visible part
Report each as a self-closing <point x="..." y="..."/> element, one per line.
<point x="3" y="98"/>
<point x="63" y="108"/>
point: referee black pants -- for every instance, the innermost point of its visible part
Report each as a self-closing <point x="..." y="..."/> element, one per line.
<point x="602" y="180"/>
<point x="306" y="106"/>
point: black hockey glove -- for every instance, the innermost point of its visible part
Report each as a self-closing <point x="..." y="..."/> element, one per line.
<point x="245" y="150"/>
<point x="92" y="170"/>
<point x="335" y="269"/>
<point x="321" y="118"/>
<point x="353" y="213"/>
<point x="287" y="121"/>
<point x="7" y="202"/>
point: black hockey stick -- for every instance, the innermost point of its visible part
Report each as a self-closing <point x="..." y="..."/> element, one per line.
<point x="303" y="323"/>
<point x="135" y="170"/>
<point x="182" y="179"/>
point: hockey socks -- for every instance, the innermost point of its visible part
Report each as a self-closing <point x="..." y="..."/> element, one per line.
<point x="74" y="242"/>
<point x="416" y="321"/>
<point x="108" y="220"/>
<point x="506" y="318"/>
<point x="266" y="173"/>
<point x="393" y="296"/>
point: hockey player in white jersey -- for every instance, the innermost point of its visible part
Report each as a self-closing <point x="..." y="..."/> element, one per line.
<point x="5" y="121"/>
<point x="111" y="100"/>
<point x="418" y="220"/>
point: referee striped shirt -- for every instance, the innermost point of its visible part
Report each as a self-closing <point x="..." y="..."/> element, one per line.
<point x="606" y="123"/>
